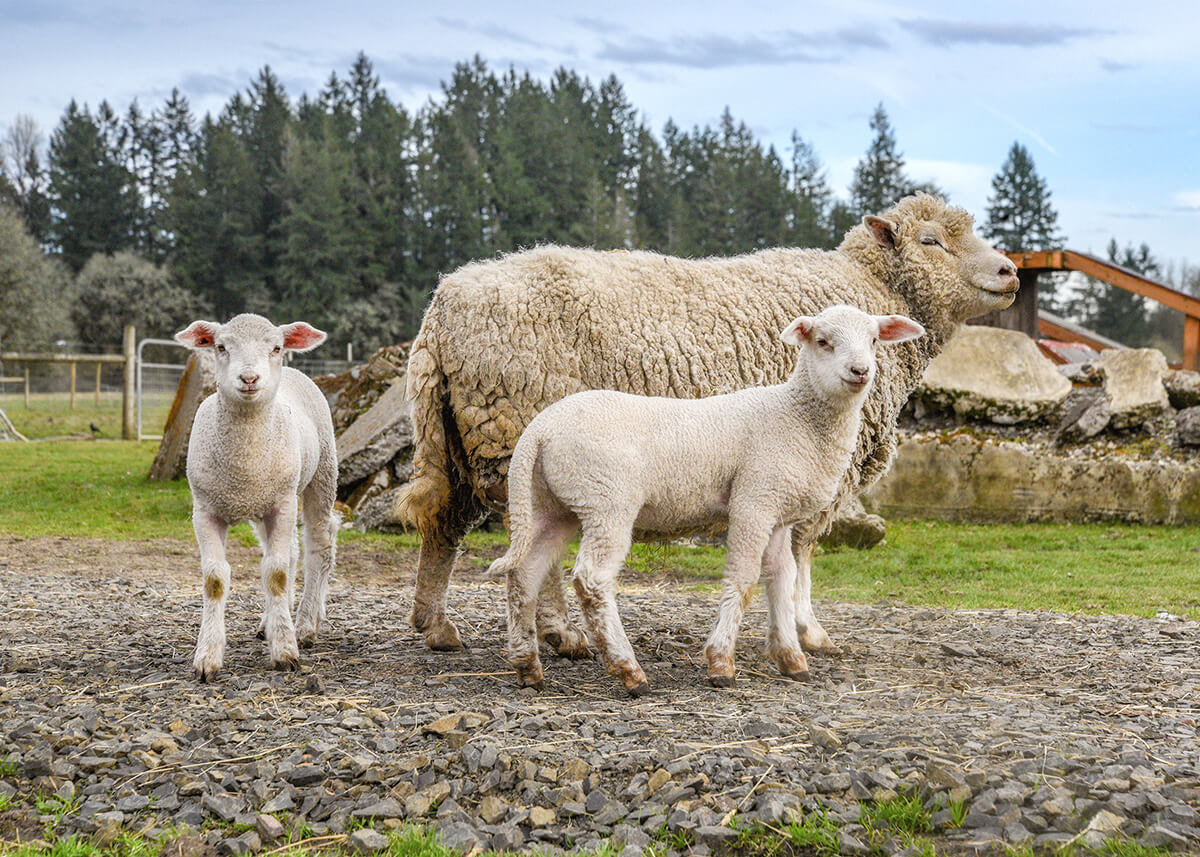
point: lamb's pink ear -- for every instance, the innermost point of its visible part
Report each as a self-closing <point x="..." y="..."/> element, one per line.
<point x="300" y="336"/>
<point x="883" y="229"/>
<point x="898" y="328"/>
<point x="798" y="331"/>
<point x="198" y="334"/>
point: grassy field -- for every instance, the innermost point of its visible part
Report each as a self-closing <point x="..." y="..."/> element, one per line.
<point x="50" y="414"/>
<point x="100" y="489"/>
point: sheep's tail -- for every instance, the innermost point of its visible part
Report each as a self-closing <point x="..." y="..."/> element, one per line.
<point x="520" y="495"/>
<point x="427" y="495"/>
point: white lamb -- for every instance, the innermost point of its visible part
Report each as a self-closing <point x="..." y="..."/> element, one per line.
<point x="261" y="448"/>
<point x="762" y="459"/>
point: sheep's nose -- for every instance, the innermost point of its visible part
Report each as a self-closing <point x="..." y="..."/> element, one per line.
<point x="860" y="371"/>
<point x="248" y="380"/>
<point x="1007" y="268"/>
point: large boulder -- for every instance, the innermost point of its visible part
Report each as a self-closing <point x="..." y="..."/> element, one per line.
<point x="1183" y="388"/>
<point x="374" y="439"/>
<point x="1133" y="380"/>
<point x="1000" y="376"/>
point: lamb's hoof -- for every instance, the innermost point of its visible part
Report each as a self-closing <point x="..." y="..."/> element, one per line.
<point x="572" y="645"/>
<point x="530" y="675"/>
<point x="206" y="674"/>
<point x="443" y="638"/>
<point x="287" y="663"/>
<point x="306" y="638"/>
<point x="722" y="681"/>
<point x="638" y="689"/>
<point x="815" y="640"/>
<point x="793" y="664"/>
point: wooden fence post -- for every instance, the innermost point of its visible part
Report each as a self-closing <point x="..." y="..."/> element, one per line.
<point x="99" y="366"/>
<point x="72" y="385"/>
<point x="26" y="388"/>
<point x="128" y="416"/>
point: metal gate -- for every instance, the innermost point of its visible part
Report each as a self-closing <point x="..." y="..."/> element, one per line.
<point x="174" y="370"/>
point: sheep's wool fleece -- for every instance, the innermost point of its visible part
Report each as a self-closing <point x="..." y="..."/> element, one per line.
<point x="503" y="339"/>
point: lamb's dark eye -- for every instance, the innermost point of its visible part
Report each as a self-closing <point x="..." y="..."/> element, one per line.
<point x="221" y="349"/>
<point x="277" y="349"/>
<point x="930" y="241"/>
<point x="822" y="342"/>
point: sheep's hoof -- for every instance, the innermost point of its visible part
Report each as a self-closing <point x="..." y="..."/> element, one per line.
<point x="530" y="675"/>
<point x="307" y="638"/>
<point x="638" y="689"/>
<point x="286" y="664"/>
<point x="793" y="664"/>
<point x="443" y="638"/>
<point x="814" y="639"/>
<point x="800" y="675"/>
<point x="206" y="674"/>
<point x="722" y="681"/>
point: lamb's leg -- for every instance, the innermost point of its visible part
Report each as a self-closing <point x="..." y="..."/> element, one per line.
<point x="526" y="575"/>
<point x="812" y="636"/>
<point x="435" y="562"/>
<point x="744" y="548"/>
<point x="602" y="549"/>
<point x="553" y="619"/>
<point x="779" y="568"/>
<point x="210" y="645"/>
<point x="320" y="553"/>
<point x="279" y="534"/>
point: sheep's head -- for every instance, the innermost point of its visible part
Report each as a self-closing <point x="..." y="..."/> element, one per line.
<point x="930" y="253"/>
<point x="249" y="353"/>
<point x="839" y="346"/>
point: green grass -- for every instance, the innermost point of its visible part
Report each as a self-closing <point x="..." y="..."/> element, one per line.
<point x="903" y="814"/>
<point x="78" y="489"/>
<point x="50" y="414"/>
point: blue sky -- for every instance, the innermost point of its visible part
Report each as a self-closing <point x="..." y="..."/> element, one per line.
<point x="1105" y="95"/>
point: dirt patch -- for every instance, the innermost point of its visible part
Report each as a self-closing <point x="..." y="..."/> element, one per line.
<point x="1034" y="724"/>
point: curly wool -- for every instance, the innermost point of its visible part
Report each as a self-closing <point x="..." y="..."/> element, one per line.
<point x="503" y="339"/>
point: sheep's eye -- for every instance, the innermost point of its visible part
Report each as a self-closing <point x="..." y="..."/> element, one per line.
<point x="277" y="349"/>
<point x="220" y="349"/>
<point x="930" y="241"/>
<point x="822" y="342"/>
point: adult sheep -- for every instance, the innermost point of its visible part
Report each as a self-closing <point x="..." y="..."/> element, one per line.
<point x="503" y="339"/>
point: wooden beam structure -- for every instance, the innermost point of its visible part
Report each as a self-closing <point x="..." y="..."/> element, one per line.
<point x="1031" y="263"/>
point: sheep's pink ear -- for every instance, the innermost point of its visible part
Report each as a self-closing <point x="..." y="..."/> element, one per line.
<point x="798" y="331"/>
<point x="898" y="328"/>
<point x="883" y="229"/>
<point x="300" y="336"/>
<point x="198" y="334"/>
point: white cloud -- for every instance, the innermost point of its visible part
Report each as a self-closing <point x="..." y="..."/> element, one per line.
<point x="1188" y="198"/>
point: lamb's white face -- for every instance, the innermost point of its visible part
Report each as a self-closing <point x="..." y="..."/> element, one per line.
<point x="249" y="353"/>
<point x="839" y="345"/>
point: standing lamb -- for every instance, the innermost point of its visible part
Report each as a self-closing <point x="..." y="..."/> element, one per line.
<point x="760" y="459"/>
<point x="261" y="448"/>
<point x="504" y="339"/>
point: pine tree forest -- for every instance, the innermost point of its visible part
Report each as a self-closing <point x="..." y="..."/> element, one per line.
<point x="343" y="207"/>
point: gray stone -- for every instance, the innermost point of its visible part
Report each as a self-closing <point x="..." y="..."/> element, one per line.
<point x="1085" y="413"/>
<point x="855" y="527"/>
<point x="224" y="806"/>
<point x="507" y="838"/>
<point x="280" y="803"/>
<point x="626" y="835"/>
<point x="1187" y="427"/>
<point x="713" y="836"/>
<point x="824" y="738"/>
<point x="850" y="844"/>
<point x="132" y="803"/>
<point x="1158" y="836"/>
<point x="828" y="783"/>
<point x="269" y="827"/>
<point x="247" y="843"/>
<point x="37" y="760"/>
<point x="993" y="374"/>
<point x="373" y="439"/>
<point x="366" y="841"/>
<point x="459" y="837"/>
<point x="1134" y="384"/>
<point x="1183" y="388"/>
<point x="389" y="807"/>
<point x="1103" y="826"/>
<point x="305" y="775"/>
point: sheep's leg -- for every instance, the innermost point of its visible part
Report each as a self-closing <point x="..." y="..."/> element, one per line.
<point x="320" y="553"/>
<point x="526" y="575"/>
<point x="439" y="550"/>
<point x="779" y="568"/>
<point x="601" y="551"/>
<point x="744" y="548"/>
<point x="553" y="619"/>
<point x="279" y="535"/>
<point x="210" y="645"/>
<point x="812" y="636"/>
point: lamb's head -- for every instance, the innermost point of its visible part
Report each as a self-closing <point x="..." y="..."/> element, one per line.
<point x="929" y="253"/>
<point x="249" y="352"/>
<point x="838" y="347"/>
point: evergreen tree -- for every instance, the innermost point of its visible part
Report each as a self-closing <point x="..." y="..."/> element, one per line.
<point x="1113" y="312"/>
<point x="1020" y="217"/>
<point x="811" y="197"/>
<point x="879" y="179"/>
<point x="93" y="198"/>
<point x="651" y="194"/>
<point x="1019" y="213"/>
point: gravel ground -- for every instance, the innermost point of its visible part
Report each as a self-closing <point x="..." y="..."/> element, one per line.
<point x="1013" y="726"/>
